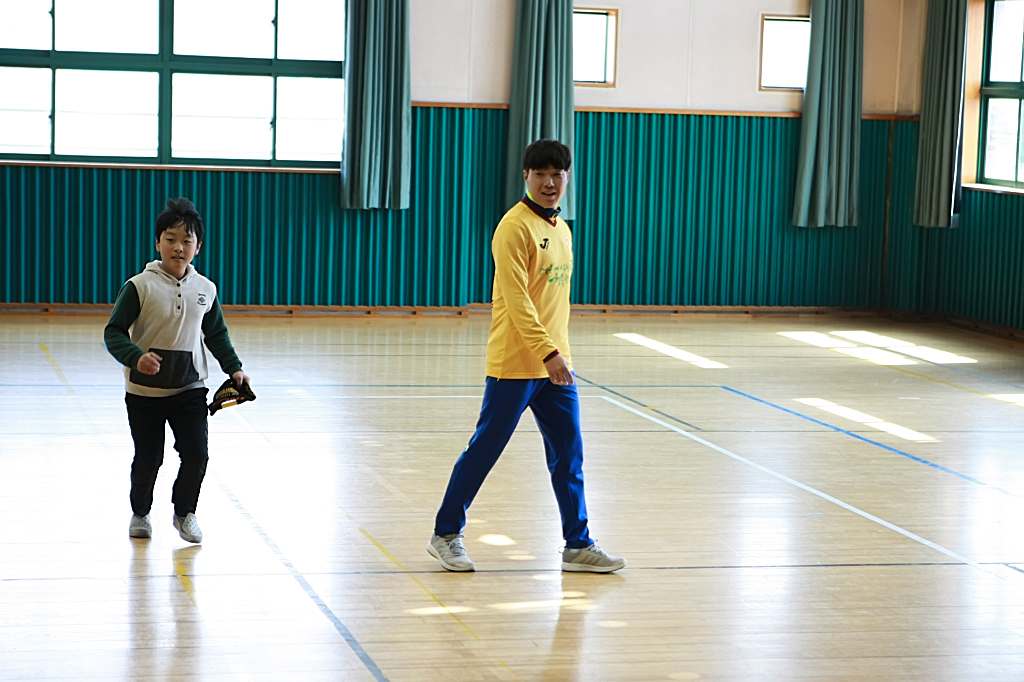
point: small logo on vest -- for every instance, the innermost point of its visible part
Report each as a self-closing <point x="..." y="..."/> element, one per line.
<point x="544" y="244"/>
<point x="202" y="299"/>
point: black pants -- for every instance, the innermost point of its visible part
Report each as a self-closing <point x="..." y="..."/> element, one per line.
<point x="187" y="414"/>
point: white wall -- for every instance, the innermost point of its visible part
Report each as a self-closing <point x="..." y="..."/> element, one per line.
<point x="461" y="50"/>
<point x="893" y="55"/>
<point x="672" y="54"/>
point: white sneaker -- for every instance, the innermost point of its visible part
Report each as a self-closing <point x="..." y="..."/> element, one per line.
<point x="590" y="559"/>
<point x="188" y="528"/>
<point x="140" y="527"/>
<point x="450" y="551"/>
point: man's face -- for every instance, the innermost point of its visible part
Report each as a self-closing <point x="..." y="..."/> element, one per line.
<point x="177" y="248"/>
<point x="546" y="185"/>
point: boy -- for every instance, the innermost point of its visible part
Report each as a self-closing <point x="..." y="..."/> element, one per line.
<point x="170" y="310"/>
<point x="528" y="365"/>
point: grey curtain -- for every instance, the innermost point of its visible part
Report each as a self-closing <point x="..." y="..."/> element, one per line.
<point x="376" y="163"/>
<point x="828" y="168"/>
<point x="541" y="100"/>
<point x="939" y="147"/>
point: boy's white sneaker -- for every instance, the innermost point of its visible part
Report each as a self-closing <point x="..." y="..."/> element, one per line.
<point x="188" y="528"/>
<point x="590" y="559"/>
<point x="450" y="551"/>
<point x="140" y="527"/>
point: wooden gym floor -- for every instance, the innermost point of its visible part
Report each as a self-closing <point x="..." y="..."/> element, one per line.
<point x="871" y="532"/>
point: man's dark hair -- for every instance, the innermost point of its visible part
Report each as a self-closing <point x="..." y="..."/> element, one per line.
<point x="180" y="211"/>
<point x="547" y="154"/>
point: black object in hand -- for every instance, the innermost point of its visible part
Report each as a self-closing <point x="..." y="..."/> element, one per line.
<point x="230" y="394"/>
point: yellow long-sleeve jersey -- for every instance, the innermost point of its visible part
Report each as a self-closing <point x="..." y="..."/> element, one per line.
<point x="530" y="308"/>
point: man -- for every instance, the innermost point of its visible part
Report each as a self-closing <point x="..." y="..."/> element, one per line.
<point x="528" y="365"/>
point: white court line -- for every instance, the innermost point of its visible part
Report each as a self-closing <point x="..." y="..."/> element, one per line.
<point x="825" y="496"/>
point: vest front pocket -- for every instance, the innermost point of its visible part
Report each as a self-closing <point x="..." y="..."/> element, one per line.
<point x="176" y="371"/>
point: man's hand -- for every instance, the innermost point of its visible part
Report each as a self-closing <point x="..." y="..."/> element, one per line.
<point x="241" y="377"/>
<point x="149" y="363"/>
<point x="558" y="371"/>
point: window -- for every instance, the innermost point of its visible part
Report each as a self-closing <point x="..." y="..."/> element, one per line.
<point x="1002" y="96"/>
<point x="231" y="82"/>
<point x="594" y="34"/>
<point x="785" y="49"/>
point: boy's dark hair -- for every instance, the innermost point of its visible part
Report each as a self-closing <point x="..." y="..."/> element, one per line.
<point x="180" y="211"/>
<point x="547" y="154"/>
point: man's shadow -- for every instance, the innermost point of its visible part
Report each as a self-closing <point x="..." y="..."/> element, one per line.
<point x="575" y="617"/>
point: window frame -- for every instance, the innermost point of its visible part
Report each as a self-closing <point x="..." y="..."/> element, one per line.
<point x="612" y="12"/>
<point x="166" y="64"/>
<point x="760" y="58"/>
<point x="996" y="90"/>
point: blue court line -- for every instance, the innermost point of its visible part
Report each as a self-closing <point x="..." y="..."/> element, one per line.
<point x="919" y="460"/>
<point x="353" y="644"/>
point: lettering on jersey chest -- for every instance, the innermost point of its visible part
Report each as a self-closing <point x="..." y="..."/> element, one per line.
<point x="554" y="257"/>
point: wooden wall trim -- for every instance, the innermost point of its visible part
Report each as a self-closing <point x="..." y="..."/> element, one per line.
<point x="459" y="105"/>
<point x="680" y="112"/>
<point x="292" y="312"/>
<point x="167" y="167"/>
<point x="972" y="88"/>
<point x="994" y="189"/>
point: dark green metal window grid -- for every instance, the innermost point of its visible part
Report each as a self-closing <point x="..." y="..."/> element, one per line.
<point x="999" y="90"/>
<point x="166" y="64"/>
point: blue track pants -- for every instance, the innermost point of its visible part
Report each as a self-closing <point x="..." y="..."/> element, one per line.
<point x="557" y="411"/>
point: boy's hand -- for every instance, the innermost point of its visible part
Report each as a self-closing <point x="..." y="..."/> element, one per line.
<point x="149" y="363"/>
<point x="241" y="377"/>
<point x="558" y="371"/>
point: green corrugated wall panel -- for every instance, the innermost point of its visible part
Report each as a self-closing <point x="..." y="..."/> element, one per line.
<point x="904" y="260"/>
<point x="974" y="271"/>
<point x="74" y="235"/>
<point x="695" y="210"/>
<point x="674" y="210"/>
<point x="979" y="267"/>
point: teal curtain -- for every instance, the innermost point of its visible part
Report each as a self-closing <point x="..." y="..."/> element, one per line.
<point x="939" y="146"/>
<point x="376" y="164"/>
<point x="828" y="168"/>
<point x="541" y="99"/>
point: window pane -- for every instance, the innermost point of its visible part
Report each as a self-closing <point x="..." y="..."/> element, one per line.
<point x="26" y="25"/>
<point x="25" y="111"/>
<point x="310" y="118"/>
<point x="311" y="29"/>
<point x="785" y="49"/>
<point x="1007" y="38"/>
<point x="590" y="47"/>
<point x="1001" y="145"/>
<point x="88" y="27"/>
<point x="106" y="113"/>
<point x="224" y="28"/>
<point x="225" y="117"/>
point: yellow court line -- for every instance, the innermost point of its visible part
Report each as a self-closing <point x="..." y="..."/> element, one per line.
<point x="938" y="381"/>
<point x="249" y="426"/>
<point x="56" y="368"/>
<point x="416" y="580"/>
<point x="183" y="577"/>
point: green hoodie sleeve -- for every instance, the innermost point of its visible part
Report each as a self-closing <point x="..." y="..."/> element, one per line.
<point x="115" y="334"/>
<point x="215" y="336"/>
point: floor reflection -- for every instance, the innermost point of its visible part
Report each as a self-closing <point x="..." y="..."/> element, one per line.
<point x="584" y="594"/>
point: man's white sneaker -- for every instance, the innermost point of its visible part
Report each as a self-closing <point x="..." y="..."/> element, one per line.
<point x="450" y="551"/>
<point x="140" y="527"/>
<point x="590" y="559"/>
<point x="188" y="528"/>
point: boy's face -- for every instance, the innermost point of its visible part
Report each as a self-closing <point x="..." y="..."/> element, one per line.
<point x="177" y="248"/>
<point x="546" y="185"/>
